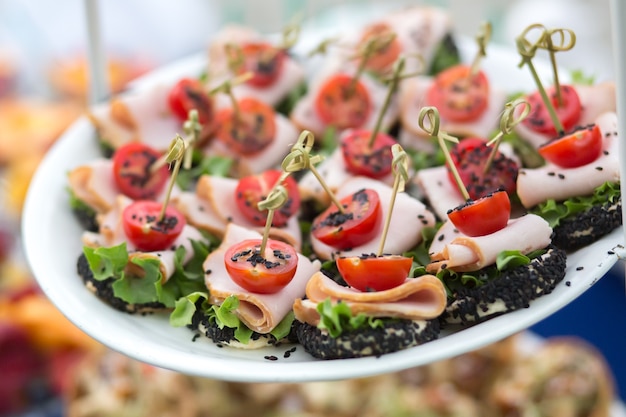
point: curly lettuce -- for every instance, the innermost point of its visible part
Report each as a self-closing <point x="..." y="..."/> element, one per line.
<point x="111" y="263"/>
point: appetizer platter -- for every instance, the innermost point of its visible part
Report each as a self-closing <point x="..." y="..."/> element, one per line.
<point x="168" y="331"/>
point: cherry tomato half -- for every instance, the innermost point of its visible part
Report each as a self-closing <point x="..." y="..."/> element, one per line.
<point x="382" y="59"/>
<point x="343" y="102"/>
<point x="574" y="149"/>
<point x="458" y="95"/>
<point x="263" y="60"/>
<point x="132" y="173"/>
<point x="188" y="94"/>
<point x="483" y="216"/>
<point x="361" y="159"/>
<point x="265" y="273"/>
<point x="470" y="157"/>
<point x="359" y="223"/>
<point x="254" y="188"/>
<point x="568" y="113"/>
<point x="374" y="273"/>
<point x="250" y="130"/>
<point x="140" y="224"/>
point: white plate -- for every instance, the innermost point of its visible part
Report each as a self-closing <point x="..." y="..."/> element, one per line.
<point x="52" y="244"/>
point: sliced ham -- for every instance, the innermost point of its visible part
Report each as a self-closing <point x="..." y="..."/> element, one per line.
<point x="441" y="193"/>
<point x="269" y="157"/>
<point x="464" y="253"/>
<point x="112" y="233"/>
<point x="550" y="181"/>
<point x="291" y="76"/>
<point x="260" y="312"/>
<point x="305" y="116"/>
<point x="409" y="217"/>
<point x="419" y="30"/>
<point x="213" y="207"/>
<point x="413" y="97"/>
<point x="595" y="100"/>
<point x="93" y="183"/>
<point x="333" y="170"/>
<point x="141" y="116"/>
<point x="416" y="299"/>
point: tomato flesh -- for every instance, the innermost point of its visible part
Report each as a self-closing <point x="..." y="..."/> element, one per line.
<point x="574" y="149"/>
<point x="359" y="223"/>
<point x="470" y="157"/>
<point x="132" y="172"/>
<point x="483" y="216"/>
<point x="343" y="102"/>
<point x="252" y="189"/>
<point x="263" y="60"/>
<point x="374" y="273"/>
<point x="250" y="130"/>
<point x="459" y="95"/>
<point x="361" y="158"/>
<point x="383" y="59"/>
<point x="140" y="224"/>
<point x="188" y="94"/>
<point x="265" y="273"/>
<point x="568" y="113"/>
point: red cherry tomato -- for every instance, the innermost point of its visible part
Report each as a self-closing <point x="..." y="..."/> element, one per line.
<point x="374" y="273"/>
<point x="263" y="60"/>
<point x="382" y="60"/>
<point x="132" y="173"/>
<point x="568" y="113"/>
<point x="575" y="149"/>
<point x="188" y="94"/>
<point x="458" y="95"/>
<point x="343" y="102"/>
<point x="261" y="273"/>
<point x="483" y="216"/>
<point x="140" y="224"/>
<point x="359" y="223"/>
<point x="361" y="159"/>
<point x="251" y="130"/>
<point x="470" y="157"/>
<point x="254" y="188"/>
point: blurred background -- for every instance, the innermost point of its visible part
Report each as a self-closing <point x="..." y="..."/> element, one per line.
<point x="44" y="87"/>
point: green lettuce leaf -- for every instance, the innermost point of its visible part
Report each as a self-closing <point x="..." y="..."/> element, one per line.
<point x="204" y="165"/>
<point x="110" y="263"/>
<point x="185" y="308"/>
<point x="337" y="318"/>
<point x="554" y="211"/>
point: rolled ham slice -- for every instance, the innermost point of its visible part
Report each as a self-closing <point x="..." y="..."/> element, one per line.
<point x="270" y="157"/>
<point x="291" y="76"/>
<point x="305" y="116"/>
<point x="141" y="116"/>
<point x="416" y="299"/>
<point x="213" y="207"/>
<point x="550" y="181"/>
<point x="93" y="183"/>
<point x="260" y="312"/>
<point x="595" y="100"/>
<point x="464" y="253"/>
<point x="413" y="97"/>
<point x="112" y="233"/>
<point x="409" y="217"/>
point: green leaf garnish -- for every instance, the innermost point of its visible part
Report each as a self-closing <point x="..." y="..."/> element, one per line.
<point x="210" y="165"/>
<point x="185" y="308"/>
<point x="337" y="318"/>
<point x="553" y="212"/>
<point x="110" y="263"/>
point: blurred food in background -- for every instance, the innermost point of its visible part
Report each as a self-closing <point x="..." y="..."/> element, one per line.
<point x="573" y="381"/>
